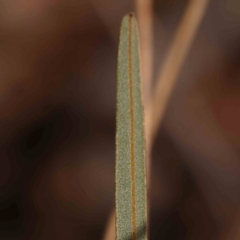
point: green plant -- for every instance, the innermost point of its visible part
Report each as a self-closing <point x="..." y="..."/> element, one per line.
<point x="130" y="177"/>
<point x="131" y="201"/>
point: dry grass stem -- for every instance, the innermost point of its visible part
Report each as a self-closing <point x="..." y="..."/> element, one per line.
<point x="172" y="66"/>
<point x="144" y="10"/>
<point x="110" y="230"/>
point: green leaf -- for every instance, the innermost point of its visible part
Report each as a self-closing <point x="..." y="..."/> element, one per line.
<point x="130" y="172"/>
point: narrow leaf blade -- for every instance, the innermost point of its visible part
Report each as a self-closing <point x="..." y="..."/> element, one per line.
<point x="130" y="177"/>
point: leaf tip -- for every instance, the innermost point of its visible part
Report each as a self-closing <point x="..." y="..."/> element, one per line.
<point x="129" y="16"/>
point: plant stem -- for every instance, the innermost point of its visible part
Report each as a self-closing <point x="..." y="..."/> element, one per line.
<point x="145" y="22"/>
<point x="173" y="64"/>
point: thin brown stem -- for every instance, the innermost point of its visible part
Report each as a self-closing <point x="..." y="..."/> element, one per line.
<point x="173" y="64"/>
<point x="144" y="10"/>
<point x="110" y="229"/>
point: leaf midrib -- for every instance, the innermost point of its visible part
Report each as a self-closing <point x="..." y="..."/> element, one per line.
<point x="133" y="187"/>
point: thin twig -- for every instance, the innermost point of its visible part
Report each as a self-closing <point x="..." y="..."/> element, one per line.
<point x="144" y="10"/>
<point x="110" y="229"/>
<point x="173" y="64"/>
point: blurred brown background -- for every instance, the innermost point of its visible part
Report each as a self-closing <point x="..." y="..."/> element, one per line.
<point x="57" y="122"/>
